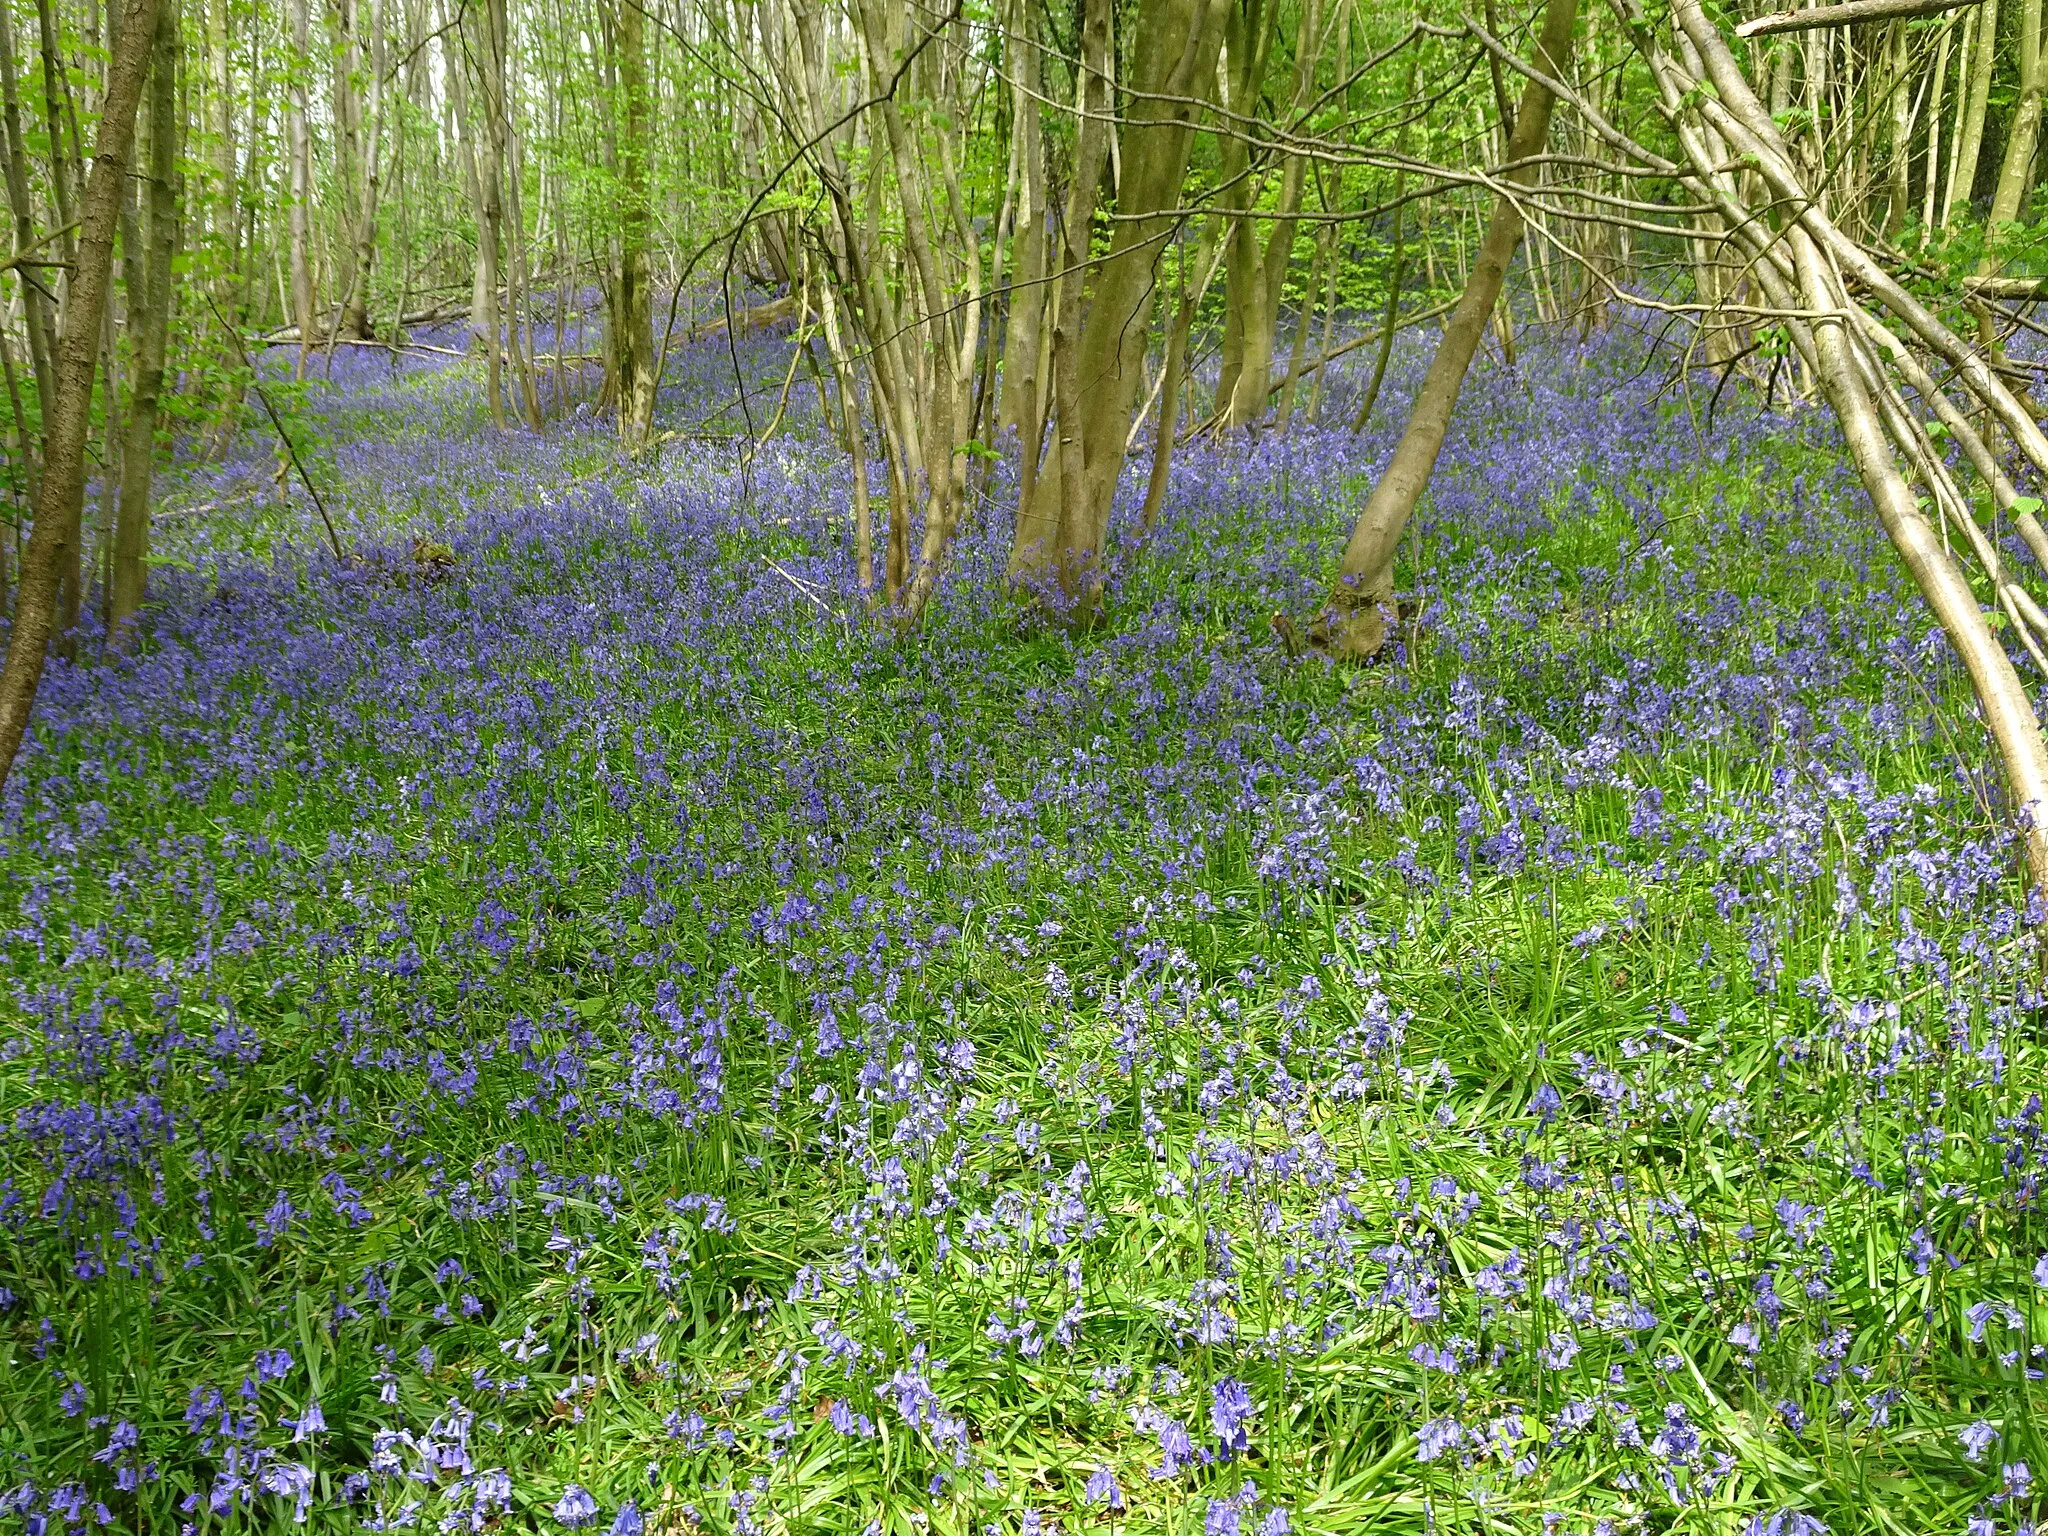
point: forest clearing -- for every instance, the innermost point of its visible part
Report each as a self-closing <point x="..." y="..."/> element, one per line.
<point x="1189" y="766"/>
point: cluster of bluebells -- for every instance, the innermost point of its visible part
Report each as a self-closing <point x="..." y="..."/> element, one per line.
<point x="601" y="1039"/>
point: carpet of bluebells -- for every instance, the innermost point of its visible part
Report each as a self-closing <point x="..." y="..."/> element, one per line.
<point x="594" y="1032"/>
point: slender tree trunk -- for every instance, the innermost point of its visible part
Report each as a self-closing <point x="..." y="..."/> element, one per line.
<point x="1935" y="102"/>
<point x="1385" y="354"/>
<point x="1205" y="257"/>
<point x="36" y="316"/>
<point x="506" y="158"/>
<point x="25" y="454"/>
<point x="2016" y="174"/>
<point x="73" y="590"/>
<point x="1305" y="323"/>
<point x="1972" y="140"/>
<point x="231" y="257"/>
<point x="1964" y="75"/>
<point x="856" y="438"/>
<point x="355" y="320"/>
<point x="61" y="124"/>
<point x="633" y="317"/>
<point x="149" y="323"/>
<point x="1266" y="284"/>
<point x="1898" y="189"/>
<point x="480" y="175"/>
<point x="70" y="414"/>
<point x="1247" y="52"/>
<point x="345" y="104"/>
<point x="1351" y="625"/>
<point x="300" y="148"/>
<point x="57" y="116"/>
<point x="1027" y="279"/>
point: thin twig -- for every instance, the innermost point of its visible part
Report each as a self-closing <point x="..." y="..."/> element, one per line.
<point x="804" y="587"/>
<point x="255" y="383"/>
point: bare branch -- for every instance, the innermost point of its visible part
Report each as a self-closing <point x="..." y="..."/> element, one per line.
<point x="1847" y="14"/>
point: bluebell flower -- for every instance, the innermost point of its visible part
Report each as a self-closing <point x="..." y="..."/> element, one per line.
<point x="1230" y="1410"/>
<point x="1103" y="1489"/>
<point x="576" y="1508"/>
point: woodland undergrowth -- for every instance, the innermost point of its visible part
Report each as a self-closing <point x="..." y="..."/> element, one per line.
<point x="594" y="1031"/>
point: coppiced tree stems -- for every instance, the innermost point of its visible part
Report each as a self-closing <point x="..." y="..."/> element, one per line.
<point x="68" y="414"/>
<point x="851" y="149"/>
<point x="149" y="321"/>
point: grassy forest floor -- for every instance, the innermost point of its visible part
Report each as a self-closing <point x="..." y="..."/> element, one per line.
<point x="598" y="1035"/>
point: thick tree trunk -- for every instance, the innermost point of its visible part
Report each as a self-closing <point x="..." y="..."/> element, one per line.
<point x="149" y="321"/>
<point x="1350" y="625"/>
<point x="1063" y="526"/>
<point x="70" y="412"/>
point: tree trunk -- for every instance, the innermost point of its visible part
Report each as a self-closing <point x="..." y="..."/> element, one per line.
<point x="1064" y="525"/>
<point x="506" y="162"/>
<point x="149" y="320"/>
<point x="480" y="174"/>
<point x="1396" y="271"/>
<point x="57" y="116"/>
<point x="1898" y="168"/>
<point x="1266" y="283"/>
<point x="70" y="414"/>
<point x="1350" y="625"/>
<point x="355" y="320"/>
<point x="1972" y="140"/>
<point x="345" y="105"/>
<point x="1020" y="403"/>
<point x="300" y="148"/>
<point x="1248" y="48"/>
<point x="2016" y="174"/>
<point x="633" y="311"/>
<point x="1203" y="259"/>
<point x="1965" y="57"/>
<point x="228" y="252"/>
<point x="1935" y="102"/>
<point x="36" y="316"/>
